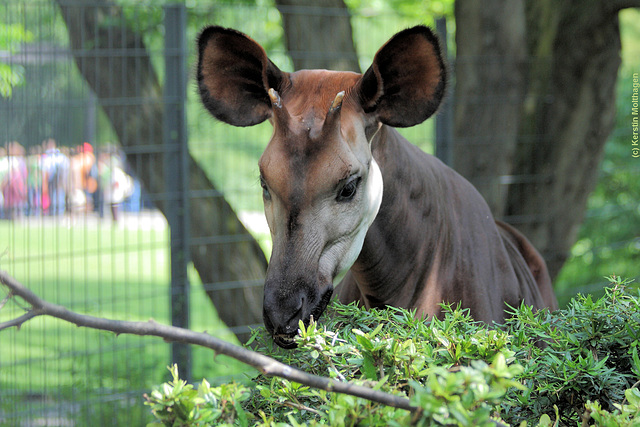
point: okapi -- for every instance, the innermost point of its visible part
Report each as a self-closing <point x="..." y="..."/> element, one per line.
<point x="345" y="192"/>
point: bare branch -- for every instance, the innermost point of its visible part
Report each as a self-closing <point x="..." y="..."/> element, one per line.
<point x="18" y="321"/>
<point x="264" y="364"/>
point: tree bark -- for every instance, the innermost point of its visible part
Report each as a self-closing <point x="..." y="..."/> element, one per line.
<point x="318" y="34"/>
<point x="130" y="94"/>
<point x="490" y="81"/>
<point x="537" y="119"/>
<point x="570" y="111"/>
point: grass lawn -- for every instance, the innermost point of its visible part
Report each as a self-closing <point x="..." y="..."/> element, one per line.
<point x="50" y="369"/>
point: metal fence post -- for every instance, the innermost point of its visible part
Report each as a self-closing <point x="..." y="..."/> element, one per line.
<point x="176" y="174"/>
<point x="444" y="119"/>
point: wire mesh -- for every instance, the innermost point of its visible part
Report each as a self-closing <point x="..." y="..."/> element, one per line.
<point x="113" y="259"/>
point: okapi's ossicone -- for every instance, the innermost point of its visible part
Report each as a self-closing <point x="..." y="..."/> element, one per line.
<point x="345" y="193"/>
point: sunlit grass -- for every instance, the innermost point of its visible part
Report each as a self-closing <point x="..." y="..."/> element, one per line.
<point x="96" y="267"/>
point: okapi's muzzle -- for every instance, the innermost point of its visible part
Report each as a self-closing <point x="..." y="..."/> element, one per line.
<point x="285" y="306"/>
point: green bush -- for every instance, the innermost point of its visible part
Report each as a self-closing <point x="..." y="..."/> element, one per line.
<point x="578" y="365"/>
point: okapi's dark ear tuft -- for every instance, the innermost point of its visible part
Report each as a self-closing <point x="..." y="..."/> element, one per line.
<point x="234" y="76"/>
<point x="406" y="82"/>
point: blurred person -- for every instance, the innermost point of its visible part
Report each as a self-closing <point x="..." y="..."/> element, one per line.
<point x="90" y="174"/>
<point x="81" y="184"/>
<point x="65" y="179"/>
<point x="56" y="167"/>
<point x="4" y="171"/>
<point x="76" y="199"/>
<point x="115" y="184"/>
<point x="14" y="186"/>
<point x="133" y="203"/>
<point x="34" y="180"/>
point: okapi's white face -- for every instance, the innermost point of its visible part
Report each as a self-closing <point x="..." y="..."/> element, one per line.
<point x="322" y="187"/>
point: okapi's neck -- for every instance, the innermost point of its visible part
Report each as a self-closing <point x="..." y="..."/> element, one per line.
<point x="400" y="256"/>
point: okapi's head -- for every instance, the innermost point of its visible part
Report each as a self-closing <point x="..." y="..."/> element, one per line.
<point x="322" y="188"/>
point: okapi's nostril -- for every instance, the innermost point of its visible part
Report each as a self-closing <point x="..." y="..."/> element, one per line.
<point x="297" y="314"/>
<point x="283" y="313"/>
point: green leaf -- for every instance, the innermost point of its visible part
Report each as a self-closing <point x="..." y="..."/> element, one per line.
<point x="376" y="330"/>
<point x="636" y="360"/>
<point x="369" y="367"/>
<point x="633" y="396"/>
<point x="545" y="421"/>
<point x="365" y="342"/>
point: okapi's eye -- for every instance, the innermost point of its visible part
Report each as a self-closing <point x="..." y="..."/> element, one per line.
<point x="265" y="190"/>
<point x="348" y="192"/>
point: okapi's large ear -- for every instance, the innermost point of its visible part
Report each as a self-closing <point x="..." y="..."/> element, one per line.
<point x="234" y="76"/>
<point x="406" y="82"/>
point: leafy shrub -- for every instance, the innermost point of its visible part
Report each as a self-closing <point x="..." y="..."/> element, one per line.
<point x="576" y="365"/>
<point x="591" y="355"/>
<point x="177" y="403"/>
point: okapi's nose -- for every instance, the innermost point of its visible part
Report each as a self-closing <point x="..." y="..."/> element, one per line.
<point x="285" y="306"/>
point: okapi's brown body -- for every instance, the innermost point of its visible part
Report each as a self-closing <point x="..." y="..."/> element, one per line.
<point x="344" y="192"/>
<point x="434" y="239"/>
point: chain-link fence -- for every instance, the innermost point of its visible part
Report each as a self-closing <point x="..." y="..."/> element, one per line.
<point x="123" y="197"/>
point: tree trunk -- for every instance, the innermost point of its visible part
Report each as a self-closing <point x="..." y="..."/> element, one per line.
<point x="570" y="108"/>
<point x="561" y="123"/>
<point x="490" y="65"/>
<point x="318" y="34"/>
<point x="97" y="27"/>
